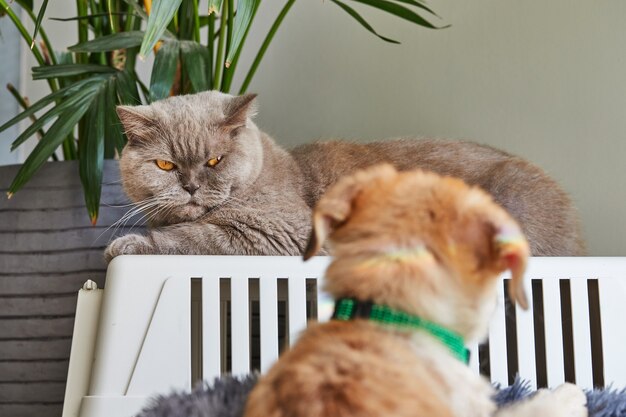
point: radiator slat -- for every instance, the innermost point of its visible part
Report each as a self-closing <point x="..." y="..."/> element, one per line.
<point x="612" y="312"/>
<point x="240" y="326"/>
<point x="211" y="343"/>
<point x="554" y="331"/>
<point x="582" y="335"/>
<point x="297" y="307"/>
<point x="497" y="342"/>
<point x="526" y="339"/>
<point x="268" y="287"/>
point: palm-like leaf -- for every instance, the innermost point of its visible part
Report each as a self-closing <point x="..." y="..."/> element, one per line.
<point x="91" y="151"/>
<point x="121" y="40"/>
<point x="399" y="11"/>
<point x="418" y="4"/>
<point x="164" y="70"/>
<point x="195" y="59"/>
<point x="55" y="135"/>
<point x="42" y="11"/>
<point x="362" y="21"/>
<point x="161" y="15"/>
<point x="246" y="10"/>
<point x="45" y="101"/>
<point x="69" y="70"/>
<point x="70" y="103"/>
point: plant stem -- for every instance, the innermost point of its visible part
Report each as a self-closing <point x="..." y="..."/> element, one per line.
<point x="210" y="45"/>
<point x="82" y="9"/>
<point x="229" y="28"/>
<point x="112" y="21"/>
<point x="196" y="22"/>
<point x="265" y="45"/>
<point x="219" y="59"/>
<point x="132" y="23"/>
<point x="130" y="17"/>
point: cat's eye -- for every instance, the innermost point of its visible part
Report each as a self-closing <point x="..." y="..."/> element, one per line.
<point x="164" y="165"/>
<point x="214" y="161"/>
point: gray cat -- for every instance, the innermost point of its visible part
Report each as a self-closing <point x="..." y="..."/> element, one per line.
<point x="210" y="182"/>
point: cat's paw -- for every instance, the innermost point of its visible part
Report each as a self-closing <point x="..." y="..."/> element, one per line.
<point x="128" y="245"/>
<point x="572" y="400"/>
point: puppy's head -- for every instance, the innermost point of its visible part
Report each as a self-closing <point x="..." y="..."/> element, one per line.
<point x="423" y="243"/>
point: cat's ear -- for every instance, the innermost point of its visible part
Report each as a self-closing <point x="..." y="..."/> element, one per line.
<point x="335" y="206"/>
<point x="137" y="121"/>
<point x="239" y="109"/>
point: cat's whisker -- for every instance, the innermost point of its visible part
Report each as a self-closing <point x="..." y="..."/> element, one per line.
<point x="146" y="216"/>
<point x="152" y="214"/>
<point x="137" y="208"/>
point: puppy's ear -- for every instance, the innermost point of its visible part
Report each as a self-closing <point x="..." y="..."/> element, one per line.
<point x="497" y="241"/>
<point x="335" y="206"/>
<point x="512" y="252"/>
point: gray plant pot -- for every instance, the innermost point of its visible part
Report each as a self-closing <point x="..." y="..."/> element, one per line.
<point x="48" y="249"/>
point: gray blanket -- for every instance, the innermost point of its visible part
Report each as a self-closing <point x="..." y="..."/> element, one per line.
<point x="226" y="397"/>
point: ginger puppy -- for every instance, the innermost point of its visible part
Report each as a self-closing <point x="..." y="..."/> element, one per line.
<point x="416" y="262"/>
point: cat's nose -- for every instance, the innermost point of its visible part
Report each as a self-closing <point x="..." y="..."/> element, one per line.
<point x="191" y="188"/>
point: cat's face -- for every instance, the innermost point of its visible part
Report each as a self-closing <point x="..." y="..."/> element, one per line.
<point x="186" y="155"/>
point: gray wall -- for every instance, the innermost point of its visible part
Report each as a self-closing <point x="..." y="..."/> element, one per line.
<point x="10" y="66"/>
<point x="542" y="79"/>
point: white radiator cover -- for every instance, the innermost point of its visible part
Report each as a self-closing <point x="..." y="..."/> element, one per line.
<point x="143" y="342"/>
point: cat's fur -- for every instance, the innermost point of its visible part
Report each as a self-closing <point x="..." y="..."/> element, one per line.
<point x="257" y="200"/>
<point x="426" y="245"/>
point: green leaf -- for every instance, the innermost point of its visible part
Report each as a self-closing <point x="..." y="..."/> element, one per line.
<point x="162" y="13"/>
<point x="399" y="11"/>
<point x="195" y="58"/>
<point x="121" y="40"/>
<point x="26" y="3"/>
<point x="418" y="4"/>
<point x="115" y="137"/>
<point x="164" y="70"/>
<point x="42" y="11"/>
<point x="186" y="20"/>
<point x="69" y="70"/>
<point x="362" y="21"/>
<point x="215" y="6"/>
<point x="70" y="104"/>
<point x="57" y="133"/>
<point x="137" y="7"/>
<point x="91" y="152"/>
<point x="64" y="57"/>
<point x="245" y="12"/>
<point x="127" y="92"/>
<point x="43" y="102"/>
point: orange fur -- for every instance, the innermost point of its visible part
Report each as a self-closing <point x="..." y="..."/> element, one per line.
<point x="425" y="244"/>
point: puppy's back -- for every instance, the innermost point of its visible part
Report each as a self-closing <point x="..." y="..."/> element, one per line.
<point x="349" y="369"/>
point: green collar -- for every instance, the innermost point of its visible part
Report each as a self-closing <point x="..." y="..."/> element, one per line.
<point x="350" y="308"/>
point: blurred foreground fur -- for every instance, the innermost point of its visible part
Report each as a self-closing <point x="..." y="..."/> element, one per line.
<point x="426" y="245"/>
